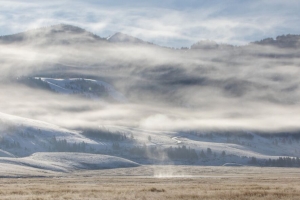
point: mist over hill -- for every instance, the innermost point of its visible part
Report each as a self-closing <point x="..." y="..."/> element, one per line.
<point x="147" y="94"/>
<point x="283" y="41"/>
<point x="62" y="34"/>
<point x="229" y="86"/>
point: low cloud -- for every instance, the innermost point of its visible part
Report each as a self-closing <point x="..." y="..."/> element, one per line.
<point x="245" y="88"/>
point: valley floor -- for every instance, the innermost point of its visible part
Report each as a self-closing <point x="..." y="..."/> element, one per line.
<point x="160" y="182"/>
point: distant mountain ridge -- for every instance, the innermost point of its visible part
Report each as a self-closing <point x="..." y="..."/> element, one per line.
<point x="124" y="38"/>
<point x="65" y="34"/>
<point x="57" y="34"/>
<point x="209" y="44"/>
<point x="283" y="41"/>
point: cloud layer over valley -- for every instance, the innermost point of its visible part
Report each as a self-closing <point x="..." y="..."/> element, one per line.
<point x="253" y="87"/>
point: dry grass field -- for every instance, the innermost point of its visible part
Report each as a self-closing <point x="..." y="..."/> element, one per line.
<point x="181" y="182"/>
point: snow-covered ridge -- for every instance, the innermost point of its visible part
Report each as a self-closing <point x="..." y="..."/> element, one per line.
<point x="73" y="86"/>
<point x="124" y="38"/>
<point x="67" y="162"/>
<point x="22" y="136"/>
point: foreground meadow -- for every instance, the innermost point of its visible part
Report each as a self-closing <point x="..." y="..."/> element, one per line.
<point x="161" y="182"/>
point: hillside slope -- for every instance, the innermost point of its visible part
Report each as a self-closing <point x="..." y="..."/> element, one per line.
<point x="51" y="163"/>
<point x="21" y="137"/>
<point x="93" y="89"/>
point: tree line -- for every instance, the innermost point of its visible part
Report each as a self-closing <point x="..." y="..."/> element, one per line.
<point x="104" y="134"/>
<point x="283" y="162"/>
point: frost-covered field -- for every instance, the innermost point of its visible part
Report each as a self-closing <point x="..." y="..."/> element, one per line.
<point x="236" y="183"/>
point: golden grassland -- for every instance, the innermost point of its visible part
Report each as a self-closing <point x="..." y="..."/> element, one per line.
<point x="199" y="183"/>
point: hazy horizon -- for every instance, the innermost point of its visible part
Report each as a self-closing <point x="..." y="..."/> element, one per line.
<point x="169" y="23"/>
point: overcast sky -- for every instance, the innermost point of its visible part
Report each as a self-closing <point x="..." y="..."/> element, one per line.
<point x="174" y="23"/>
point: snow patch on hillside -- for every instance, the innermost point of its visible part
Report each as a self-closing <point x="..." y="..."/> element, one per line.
<point x="124" y="38"/>
<point x="61" y="86"/>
